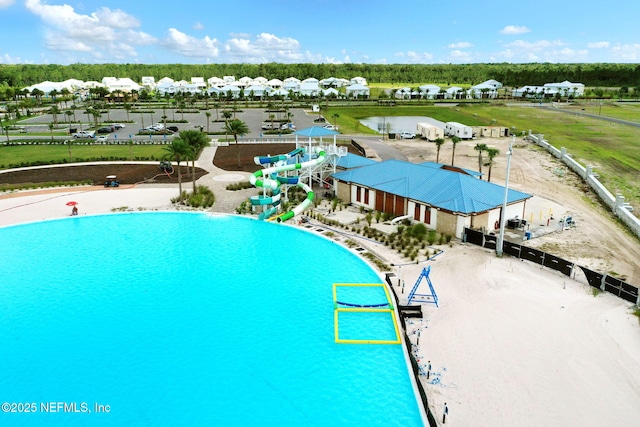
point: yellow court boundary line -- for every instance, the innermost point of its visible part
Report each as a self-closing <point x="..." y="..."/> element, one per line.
<point x="337" y="310"/>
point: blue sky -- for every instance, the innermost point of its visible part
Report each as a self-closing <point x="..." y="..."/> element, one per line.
<point x="317" y="31"/>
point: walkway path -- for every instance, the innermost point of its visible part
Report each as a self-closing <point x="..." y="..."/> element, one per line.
<point x="218" y="179"/>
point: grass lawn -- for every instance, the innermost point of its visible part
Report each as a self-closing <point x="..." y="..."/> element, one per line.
<point x="49" y="154"/>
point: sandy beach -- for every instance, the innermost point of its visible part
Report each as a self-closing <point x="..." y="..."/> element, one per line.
<point x="511" y="343"/>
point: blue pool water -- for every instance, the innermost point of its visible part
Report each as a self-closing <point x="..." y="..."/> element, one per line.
<point x="188" y="319"/>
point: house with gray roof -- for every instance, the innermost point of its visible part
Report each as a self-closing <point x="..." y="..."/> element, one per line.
<point x="443" y="198"/>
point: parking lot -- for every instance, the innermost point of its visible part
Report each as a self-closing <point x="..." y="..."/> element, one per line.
<point x="253" y="117"/>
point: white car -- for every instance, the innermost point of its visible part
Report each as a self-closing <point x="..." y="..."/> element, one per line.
<point x="84" y="134"/>
<point x="330" y="127"/>
<point x="407" y="135"/>
<point x="102" y="138"/>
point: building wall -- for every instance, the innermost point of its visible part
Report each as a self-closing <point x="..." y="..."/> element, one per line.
<point x="343" y="191"/>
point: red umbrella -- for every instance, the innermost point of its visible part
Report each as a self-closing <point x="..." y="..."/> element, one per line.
<point x="72" y="203"/>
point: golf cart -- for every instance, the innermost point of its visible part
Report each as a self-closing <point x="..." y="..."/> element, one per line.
<point x="112" y="181"/>
<point x="166" y="166"/>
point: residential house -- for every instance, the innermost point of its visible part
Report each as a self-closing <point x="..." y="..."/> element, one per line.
<point x="359" y="81"/>
<point x="357" y="91"/>
<point x="429" y="91"/>
<point x="454" y="92"/>
<point x="275" y="83"/>
<point x="566" y="88"/>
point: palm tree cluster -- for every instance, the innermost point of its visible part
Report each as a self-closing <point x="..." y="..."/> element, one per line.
<point x="185" y="147"/>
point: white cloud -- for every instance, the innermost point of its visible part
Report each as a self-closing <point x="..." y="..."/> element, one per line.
<point x="536" y="46"/>
<point x="459" y="56"/>
<point x="459" y="45"/>
<point x="6" y="3"/>
<point x="8" y="59"/>
<point x="104" y="35"/>
<point x="412" y="57"/>
<point x="515" y="29"/>
<point x="266" y="47"/>
<point x="198" y="26"/>
<point x="541" y="50"/>
<point x="598" y="45"/>
<point x="190" y="46"/>
<point x="626" y="52"/>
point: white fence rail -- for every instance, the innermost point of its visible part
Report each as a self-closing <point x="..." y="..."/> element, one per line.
<point x="616" y="203"/>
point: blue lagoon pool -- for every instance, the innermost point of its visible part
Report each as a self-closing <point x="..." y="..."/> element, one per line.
<point x="187" y="319"/>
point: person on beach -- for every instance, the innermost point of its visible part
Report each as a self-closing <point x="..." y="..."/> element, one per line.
<point x="74" y="210"/>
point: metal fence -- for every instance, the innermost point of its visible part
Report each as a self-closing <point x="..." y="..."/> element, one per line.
<point x="601" y="281"/>
<point x="414" y="363"/>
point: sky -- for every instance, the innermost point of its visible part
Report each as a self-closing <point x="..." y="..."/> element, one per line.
<point x="318" y="31"/>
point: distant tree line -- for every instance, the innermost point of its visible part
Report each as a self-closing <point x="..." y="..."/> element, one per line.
<point x="590" y="74"/>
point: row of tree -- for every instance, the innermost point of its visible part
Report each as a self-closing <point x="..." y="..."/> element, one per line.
<point x="590" y="74"/>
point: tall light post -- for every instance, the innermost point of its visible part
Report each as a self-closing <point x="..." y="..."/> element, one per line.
<point x="503" y="214"/>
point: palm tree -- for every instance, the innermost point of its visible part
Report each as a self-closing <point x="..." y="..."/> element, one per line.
<point x="439" y="142"/>
<point x="236" y="127"/>
<point x="177" y="151"/>
<point x="491" y="153"/>
<point x="54" y="111"/>
<point x="65" y="93"/>
<point x="208" y="115"/>
<point x="196" y="141"/>
<point x="128" y="108"/>
<point x="480" y="148"/>
<point x="335" y="116"/>
<point x="69" y="144"/>
<point x="51" y="127"/>
<point x="68" y="113"/>
<point x="88" y="112"/>
<point x="454" y="140"/>
<point x="97" y="115"/>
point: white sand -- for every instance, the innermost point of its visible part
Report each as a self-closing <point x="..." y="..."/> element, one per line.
<point x="39" y="205"/>
<point x="512" y="344"/>
<point x="520" y="345"/>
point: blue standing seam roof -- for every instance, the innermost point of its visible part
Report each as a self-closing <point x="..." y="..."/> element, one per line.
<point x="316" y="131"/>
<point x="440" y="188"/>
<point x="354" y="161"/>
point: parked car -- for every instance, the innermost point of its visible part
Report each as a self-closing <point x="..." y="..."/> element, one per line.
<point x="102" y="138"/>
<point x="148" y="131"/>
<point x="288" y="126"/>
<point x="407" y="135"/>
<point x="270" y="126"/>
<point x="84" y="134"/>
<point x="118" y="126"/>
<point x="106" y="129"/>
<point x="330" y="127"/>
<point x="172" y="128"/>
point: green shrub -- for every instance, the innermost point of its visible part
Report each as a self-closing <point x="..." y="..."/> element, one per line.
<point x="239" y="186"/>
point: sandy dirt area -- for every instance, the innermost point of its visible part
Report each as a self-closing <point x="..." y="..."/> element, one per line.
<point x="597" y="241"/>
<point x="513" y="343"/>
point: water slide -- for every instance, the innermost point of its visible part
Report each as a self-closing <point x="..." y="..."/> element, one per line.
<point x="269" y="178"/>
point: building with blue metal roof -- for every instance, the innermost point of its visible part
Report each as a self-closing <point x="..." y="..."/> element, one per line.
<point x="444" y="199"/>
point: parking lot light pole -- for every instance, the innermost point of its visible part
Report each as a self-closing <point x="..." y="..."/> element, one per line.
<point x="503" y="214"/>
